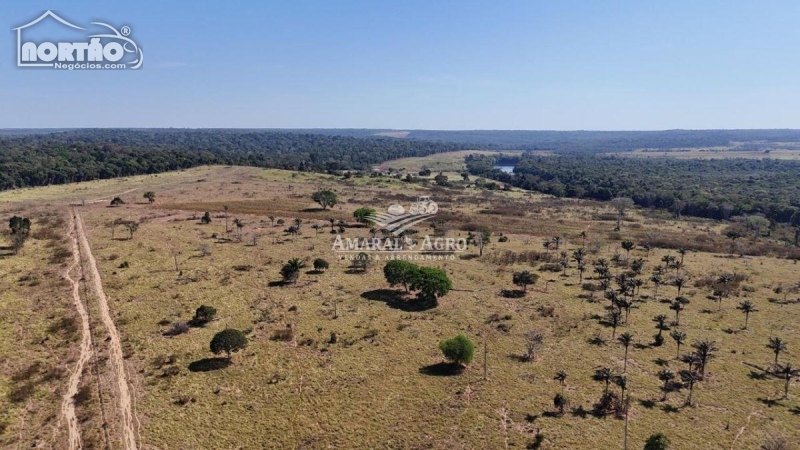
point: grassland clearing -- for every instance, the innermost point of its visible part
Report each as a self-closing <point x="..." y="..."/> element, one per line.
<point x="334" y="361"/>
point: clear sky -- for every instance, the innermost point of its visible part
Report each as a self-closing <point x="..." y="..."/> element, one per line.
<point x="564" y="65"/>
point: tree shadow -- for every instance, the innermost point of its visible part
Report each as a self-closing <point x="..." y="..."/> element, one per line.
<point x="314" y="210"/>
<point x="314" y="272"/>
<point x="579" y="411"/>
<point x="397" y="299"/>
<point x="512" y="293"/>
<point x="442" y="369"/>
<point x="597" y="341"/>
<point x="770" y="402"/>
<point x="661" y="362"/>
<point x="795" y="410"/>
<point x="647" y="403"/>
<point x="209" y="364"/>
<point x="277" y="283"/>
<point x="757" y="375"/>
<point x="640" y="346"/>
<point x="670" y="409"/>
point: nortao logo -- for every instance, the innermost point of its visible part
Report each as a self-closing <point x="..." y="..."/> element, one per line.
<point x="397" y="220"/>
<point x="106" y="50"/>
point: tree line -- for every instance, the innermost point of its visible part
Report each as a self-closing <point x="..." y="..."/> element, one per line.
<point x="91" y="154"/>
<point x="714" y="188"/>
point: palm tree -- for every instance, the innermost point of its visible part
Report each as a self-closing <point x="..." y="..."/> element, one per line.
<point x="746" y="307"/>
<point x="690" y="377"/>
<point x="777" y="345"/>
<point x="691" y="359"/>
<point x="225" y="207"/>
<point x="625" y="339"/>
<point x="666" y="376"/>
<point x="657" y="281"/>
<point x="679" y="337"/>
<point x="291" y="270"/>
<point x="604" y="375"/>
<point x="661" y="323"/>
<point x="677" y="306"/>
<point x="705" y="350"/>
<point x="682" y="252"/>
<point x="627" y="246"/>
<point x="788" y="372"/>
<point x="561" y="377"/>
<point x="622" y="382"/>
<point x="679" y="283"/>
<point x="614" y="318"/>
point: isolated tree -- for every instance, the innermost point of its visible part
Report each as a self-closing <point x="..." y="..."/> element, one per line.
<point x="225" y="208"/>
<point x="621" y="204"/>
<point x="320" y="265"/>
<point x="291" y="270"/>
<point x="131" y="226"/>
<point x="627" y="246"/>
<point x="203" y="315"/>
<point x="777" y="345"/>
<point x="679" y="337"/>
<point x="19" y="225"/>
<point x="364" y="215"/>
<point x="656" y="441"/>
<point x="666" y="376"/>
<point x="431" y="284"/>
<point x="458" y="350"/>
<point x="533" y="339"/>
<point x="150" y="196"/>
<point x="690" y="377"/>
<point x="398" y="271"/>
<point x="625" y="339"/>
<point x="206" y="218"/>
<point x="325" y="198"/>
<point x="228" y="341"/>
<point x="271" y="220"/>
<point x="746" y="307"/>
<point x="604" y="375"/>
<point x="705" y="351"/>
<point x="524" y="278"/>
<point x="560" y="402"/>
<point x="787" y="372"/>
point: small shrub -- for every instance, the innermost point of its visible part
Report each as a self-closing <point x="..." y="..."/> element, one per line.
<point x="459" y="350"/>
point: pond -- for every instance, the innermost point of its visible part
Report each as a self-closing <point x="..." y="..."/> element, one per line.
<point x="506" y="169"/>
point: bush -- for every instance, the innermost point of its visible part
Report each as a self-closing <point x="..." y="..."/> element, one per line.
<point x="551" y="267"/>
<point x="502" y="239"/>
<point x="657" y="441"/>
<point x="203" y="315"/>
<point x="320" y="264"/>
<point x="459" y="350"/>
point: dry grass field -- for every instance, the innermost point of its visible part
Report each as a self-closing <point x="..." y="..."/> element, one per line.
<point x="358" y="369"/>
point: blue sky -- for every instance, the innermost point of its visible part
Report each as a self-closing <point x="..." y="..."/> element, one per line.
<point x="567" y="65"/>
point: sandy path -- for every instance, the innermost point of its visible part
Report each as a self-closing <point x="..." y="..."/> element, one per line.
<point x="68" y="404"/>
<point x="115" y="345"/>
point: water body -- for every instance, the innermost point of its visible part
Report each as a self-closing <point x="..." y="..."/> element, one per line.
<point x="506" y="169"/>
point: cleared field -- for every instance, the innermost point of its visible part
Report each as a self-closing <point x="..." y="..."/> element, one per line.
<point x="379" y="383"/>
<point x="791" y="154"/>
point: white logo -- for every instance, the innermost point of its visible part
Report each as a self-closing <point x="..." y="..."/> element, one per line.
<point x="397" y="220"/>
<point x="107" y="50"/>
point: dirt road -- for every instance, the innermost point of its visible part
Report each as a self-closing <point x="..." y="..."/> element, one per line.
<point x="123" y="396"/>
<point x="73" y="274"/>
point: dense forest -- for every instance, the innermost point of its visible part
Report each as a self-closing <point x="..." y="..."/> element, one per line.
<point x="590" y="141"/>
<point x="37" y="159"/>
<point x="717" y="189"/>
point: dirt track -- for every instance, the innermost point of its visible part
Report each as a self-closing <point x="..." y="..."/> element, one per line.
<point x="123" y="396"/>
<point x="68" y="404"/>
